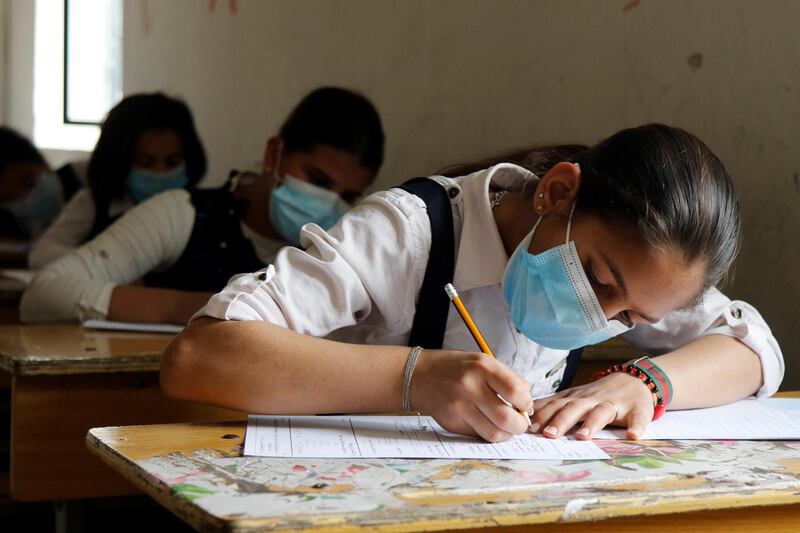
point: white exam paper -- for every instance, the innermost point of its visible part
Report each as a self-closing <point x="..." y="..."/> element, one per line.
<point x="395" y="437"/>
<point x="132" y="326"/>
<point x="748" y="419"/>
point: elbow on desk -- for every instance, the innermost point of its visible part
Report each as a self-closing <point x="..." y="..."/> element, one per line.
<point x="188" y="366"/>
<point x="177" y="368"/>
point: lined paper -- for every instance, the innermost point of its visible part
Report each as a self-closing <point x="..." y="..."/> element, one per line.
<point x="395" y="437"/>
<point x="748" y="419"/>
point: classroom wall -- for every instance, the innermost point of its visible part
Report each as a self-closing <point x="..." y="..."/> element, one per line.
<point x="18" y="89"/>
<point x="3" y="49"/>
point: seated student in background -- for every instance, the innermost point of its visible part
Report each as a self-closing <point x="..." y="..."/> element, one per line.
<point x="631" y="235"/>
<point x="185" y="245"/>
<point x="31" y="195"/>
<point x="148" y="144"/>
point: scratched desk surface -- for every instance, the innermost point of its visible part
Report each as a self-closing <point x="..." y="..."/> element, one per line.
<point x="57" y="349"/>
<point x="197" y="471"/>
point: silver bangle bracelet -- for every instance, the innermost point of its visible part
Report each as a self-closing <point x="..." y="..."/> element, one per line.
<point x="411" y="362"/>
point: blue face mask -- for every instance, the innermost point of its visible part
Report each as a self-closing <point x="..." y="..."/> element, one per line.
<point x="295" y="203"/>
<point x="41" y="203"/>
<point x="551" y="300"/>
<point x="142" y="184"/>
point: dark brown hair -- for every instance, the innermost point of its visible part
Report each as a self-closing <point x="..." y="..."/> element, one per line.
<point x="338" y="118"/>
<point x="112" y="157"/>
<point x="663" y="180"/>
<point x="16" y="148"/>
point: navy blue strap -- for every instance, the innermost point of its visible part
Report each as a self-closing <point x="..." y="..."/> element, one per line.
<point x="430" y="319"/>
<point x="571" y="369"/>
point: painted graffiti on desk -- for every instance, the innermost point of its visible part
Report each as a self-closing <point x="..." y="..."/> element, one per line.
<point x="252" y="487"/>
<point x="652" y="454"/>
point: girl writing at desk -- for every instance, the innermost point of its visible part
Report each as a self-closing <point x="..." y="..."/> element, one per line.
<point x="628" y="237"/>
<point x="148" y="144"/>
<point x="185" y="244"/>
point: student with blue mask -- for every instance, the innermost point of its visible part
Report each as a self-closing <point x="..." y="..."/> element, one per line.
<point x="31" y="195"/>
<point x="550" y="248"/>
<point x="295" y="202"/>
<point x="185" y="244"/>
<point x="148" y="144"/>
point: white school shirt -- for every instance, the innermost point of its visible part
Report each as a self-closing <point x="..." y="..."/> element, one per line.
<point x="360" y="280"/>
<point x="71" y="229"/>
<point x="151" y="236"/>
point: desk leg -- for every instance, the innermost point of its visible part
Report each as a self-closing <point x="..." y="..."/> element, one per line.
<point x="69" y="516"/>
<point x="50" y="416"/>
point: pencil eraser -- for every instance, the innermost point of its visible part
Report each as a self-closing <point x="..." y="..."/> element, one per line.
<point x="451" y="291"/>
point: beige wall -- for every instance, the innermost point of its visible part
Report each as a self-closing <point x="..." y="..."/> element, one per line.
<point x="459" y="79"/>
<point x="19" y="67"/>
<point x="3" y="61"/>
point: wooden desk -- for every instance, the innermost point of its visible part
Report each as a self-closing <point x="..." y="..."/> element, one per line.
<point x="197" y="471"/>
<point x="65" y="380"/>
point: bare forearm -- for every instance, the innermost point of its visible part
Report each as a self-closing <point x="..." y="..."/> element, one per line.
<point x="711" y="370"/>
<point x="131" y="303"/>
<point x="263" y="368"/>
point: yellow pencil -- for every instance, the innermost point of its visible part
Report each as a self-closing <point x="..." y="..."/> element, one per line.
<point x="476" y="334"/>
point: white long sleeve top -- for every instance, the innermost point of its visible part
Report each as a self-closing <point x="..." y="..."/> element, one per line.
<point x="151" y="236"/>
<point x="71" y="229"/>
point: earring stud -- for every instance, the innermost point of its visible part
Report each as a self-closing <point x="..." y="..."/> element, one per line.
<point x="539" y="208"/>
<point x="541" y="195"/>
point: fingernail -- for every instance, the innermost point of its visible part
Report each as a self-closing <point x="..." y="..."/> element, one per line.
<point x="534" y="426"/>
<point x="552" y="430"/>
<point x="583" y="432"/>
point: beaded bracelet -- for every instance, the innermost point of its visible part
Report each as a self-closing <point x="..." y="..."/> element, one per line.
<point x="655" y="379"/>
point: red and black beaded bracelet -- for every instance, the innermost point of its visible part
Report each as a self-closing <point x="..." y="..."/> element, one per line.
<point x="652" y="376"/>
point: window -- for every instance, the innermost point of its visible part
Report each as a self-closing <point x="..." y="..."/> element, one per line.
<point x="77" y="70"/>
<point x="92" y="59"/>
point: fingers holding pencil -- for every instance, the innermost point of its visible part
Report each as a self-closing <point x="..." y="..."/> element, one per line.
<point x="526" y="412"/>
